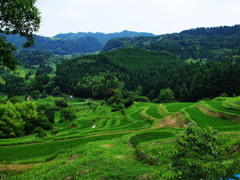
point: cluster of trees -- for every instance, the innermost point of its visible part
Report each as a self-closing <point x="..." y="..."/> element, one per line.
<point x="200" y="153"/>
<point x="23" y="118"/>
<point x="28" y="58"/>
<point x="66" y="114"/>
<point x="119" y="99"/>
<point x="39" y="85"/>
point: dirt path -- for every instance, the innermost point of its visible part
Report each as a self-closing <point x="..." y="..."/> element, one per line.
<point x="17" y="167"/>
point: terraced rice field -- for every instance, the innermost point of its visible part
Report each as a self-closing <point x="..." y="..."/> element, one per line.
<point x="218" y="105"/>
<point x="175" y="107"/>
<point x="206" y="120"/>
<point x="101" y="144"/>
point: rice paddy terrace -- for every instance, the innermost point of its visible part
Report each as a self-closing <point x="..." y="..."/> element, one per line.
<point x="101" y="144"/>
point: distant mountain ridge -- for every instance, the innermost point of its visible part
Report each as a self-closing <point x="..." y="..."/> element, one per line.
<point x="102" y="37"/>
<point x="73" y="43"/>
<point x="200" y="43"/>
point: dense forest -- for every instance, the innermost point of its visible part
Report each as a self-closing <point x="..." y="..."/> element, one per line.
<point x="150" y="72"/>
<point x="194" y="64"/>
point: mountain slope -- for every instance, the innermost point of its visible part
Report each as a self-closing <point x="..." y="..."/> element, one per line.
<point x="201" y="43"/>
<point x="60" y="46"/>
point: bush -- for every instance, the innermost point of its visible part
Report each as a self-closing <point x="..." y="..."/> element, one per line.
<point x="142" y="99"/>
<point x="39" y="132"/>
<point x="117" y="107"/>
<point x="61" y="103"/>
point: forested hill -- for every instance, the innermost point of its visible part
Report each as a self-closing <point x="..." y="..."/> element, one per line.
<point x="128" y="68"/>
<point x="102" y="37"/>
<point x="147" y="72"/>
<point x="202" y="43"/>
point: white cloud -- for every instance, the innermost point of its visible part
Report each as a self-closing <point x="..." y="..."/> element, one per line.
<point x="157" y="16"/>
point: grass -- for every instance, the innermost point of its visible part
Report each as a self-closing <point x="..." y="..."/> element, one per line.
<point x="42" y="152"/>
<point x="218" y="105"/>
<point x="148" y="136"/>
<point x="153" y="111"/>
<point x="175" y="107"/>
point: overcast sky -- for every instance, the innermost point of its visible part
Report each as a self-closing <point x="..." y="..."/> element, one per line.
<point x="155" y="16"/>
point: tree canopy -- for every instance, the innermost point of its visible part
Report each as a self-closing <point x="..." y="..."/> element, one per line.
<point x="199" y="153"/>
<point x="16" y="17"/>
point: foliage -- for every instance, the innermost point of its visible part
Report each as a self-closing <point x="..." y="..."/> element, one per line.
<point x="25" y="21"/>
<point x="199" y="154"/>
<point x="22" y="118"/>
<point x="166" y="96"/>
<point x="67" y="114"/>
<point x="39" y="132"/>
<point x="11" y="122"/>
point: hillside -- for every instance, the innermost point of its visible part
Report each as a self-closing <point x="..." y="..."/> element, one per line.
<point x="100" y="143"/>
<point x="150" y="71"/>
<point x="202" y="43"/>
<point x="60" y="46"/>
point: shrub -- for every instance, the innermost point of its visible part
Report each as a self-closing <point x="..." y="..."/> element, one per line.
<point x="61" y="103"/>
<point x="199" y="153"/>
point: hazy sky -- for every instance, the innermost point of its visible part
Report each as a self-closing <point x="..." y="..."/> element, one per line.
<point x="155" y="16"/>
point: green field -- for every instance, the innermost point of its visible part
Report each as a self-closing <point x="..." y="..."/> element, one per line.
<point x="101" y="144"/>
<point x="205" y="120"/>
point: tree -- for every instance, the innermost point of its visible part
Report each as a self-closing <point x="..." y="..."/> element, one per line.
<point x="16" y="17"/>
<point x="199" y="154"/>
<point x="166" y="95"/>
<point x="67" y="115"/>
<point x="11" y="123"/>
<point x="40" y="133"/>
